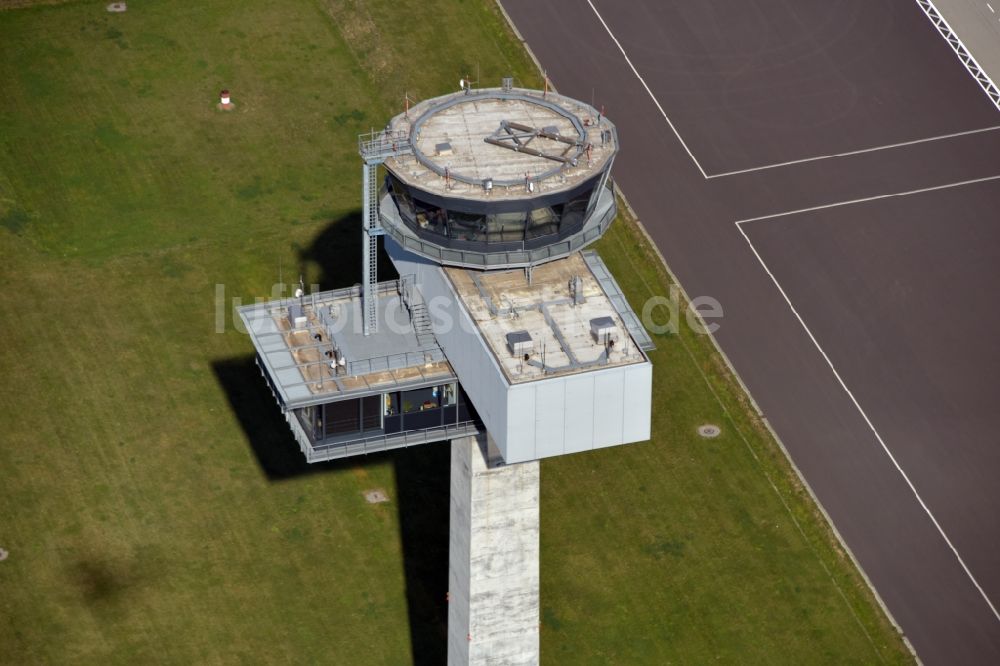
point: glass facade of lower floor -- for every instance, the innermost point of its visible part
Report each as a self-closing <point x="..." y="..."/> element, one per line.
<point x="388" y="413"/>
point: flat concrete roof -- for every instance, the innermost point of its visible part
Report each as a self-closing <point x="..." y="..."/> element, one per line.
<point x="559" y="324"/>
<point x="450" y="133"/>
<point x="298" y="357"/>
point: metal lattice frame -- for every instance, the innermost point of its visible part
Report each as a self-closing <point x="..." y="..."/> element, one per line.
<point x="438" y="105"/>
<point x="981" y="77"/>
<point x="374" y="148"/>
<point x="371" y="229"/>
<point x="517" y="137"/>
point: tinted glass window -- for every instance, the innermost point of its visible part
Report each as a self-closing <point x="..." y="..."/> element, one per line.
<point x="558" y="219"/>
<point x="371" y="412"/>
<point x="344" y="416"/>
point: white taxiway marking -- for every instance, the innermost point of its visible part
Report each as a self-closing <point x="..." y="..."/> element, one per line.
<point x="650" y="92"/>
<point x="856" y="152"/>
<point x="836" y="374"/>
<point x="777" y="165"/>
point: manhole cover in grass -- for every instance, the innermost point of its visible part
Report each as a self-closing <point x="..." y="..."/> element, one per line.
<point x="3" y="554"/>
<point x="376" y="496"/>
<point x="709" y="431"/>
<point x="117" y="7"/>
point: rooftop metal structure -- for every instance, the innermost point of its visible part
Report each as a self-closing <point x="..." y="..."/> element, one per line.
<point x="550" y="319"/>
<point x="461" y="144"/>
<point x="617" y="299"/>
<point x="374" y="148"/>
<point x="509" y="177"/>
<point x="325" y="355"/>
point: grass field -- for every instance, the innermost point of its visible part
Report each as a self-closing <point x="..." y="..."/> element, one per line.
<point x="153" y="503"/>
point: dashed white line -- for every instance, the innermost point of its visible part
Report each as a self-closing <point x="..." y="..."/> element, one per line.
<point x="840" y="380"/>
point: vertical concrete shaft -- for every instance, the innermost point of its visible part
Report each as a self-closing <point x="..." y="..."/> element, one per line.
<point x="493" y="559"/>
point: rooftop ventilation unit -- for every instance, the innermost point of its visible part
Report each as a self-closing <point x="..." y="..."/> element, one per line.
<point x="520" y="343"/>
<point x="443" y="148"/>
<point x="603" y="330"/>
<point x="296" y="316"/>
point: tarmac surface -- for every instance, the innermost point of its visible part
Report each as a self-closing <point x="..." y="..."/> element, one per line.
<point x="865" y="331"/>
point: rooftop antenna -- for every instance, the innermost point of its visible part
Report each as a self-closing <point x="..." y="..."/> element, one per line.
<point x="407" y="101"/>
<point x="301" y="290"/>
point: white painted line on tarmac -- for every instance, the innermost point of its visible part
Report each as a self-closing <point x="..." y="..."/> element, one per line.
<point x="872" y="198"/>
<point x="650" y="92"/>
<point x="861" y="151"/>
<point x="776" y="165"/>
<point x="840" y="380"/>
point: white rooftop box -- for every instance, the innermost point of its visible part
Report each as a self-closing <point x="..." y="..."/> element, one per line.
<point x="603" y="329"/>
<point x="520" y="342"/>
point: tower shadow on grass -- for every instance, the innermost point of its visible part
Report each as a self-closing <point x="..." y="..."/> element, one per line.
<point x="336" y="251"/>
<point x="422" y="473"/>
<point x="422" y="495"/>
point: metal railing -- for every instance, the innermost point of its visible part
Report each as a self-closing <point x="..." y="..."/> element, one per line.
<point x="383" y="442"/>
<point x="439" y="104"/>
<point x="395" y="227"/>
<point x="377" y="145"/>
<point x="394" y="362"/>
<point x="614" y="293"/>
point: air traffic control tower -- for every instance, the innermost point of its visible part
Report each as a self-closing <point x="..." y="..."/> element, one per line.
<point x="503" y="335"/>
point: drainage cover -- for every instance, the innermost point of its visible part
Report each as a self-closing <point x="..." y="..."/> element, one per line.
<point x="376" y="496"/>
<point x="709" y="431"/>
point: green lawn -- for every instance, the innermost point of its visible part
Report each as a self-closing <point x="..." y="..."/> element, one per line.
<point x="153" y="504"/>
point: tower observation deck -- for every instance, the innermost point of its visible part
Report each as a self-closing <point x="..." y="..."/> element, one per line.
<point x="499" y="178"/>
<point x="502" y="334"/>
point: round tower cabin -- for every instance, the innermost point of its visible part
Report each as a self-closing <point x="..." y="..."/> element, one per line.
<point x="499" y="177"/>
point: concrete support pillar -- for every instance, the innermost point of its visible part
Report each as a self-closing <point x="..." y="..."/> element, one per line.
<point x="493" y="611"/>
